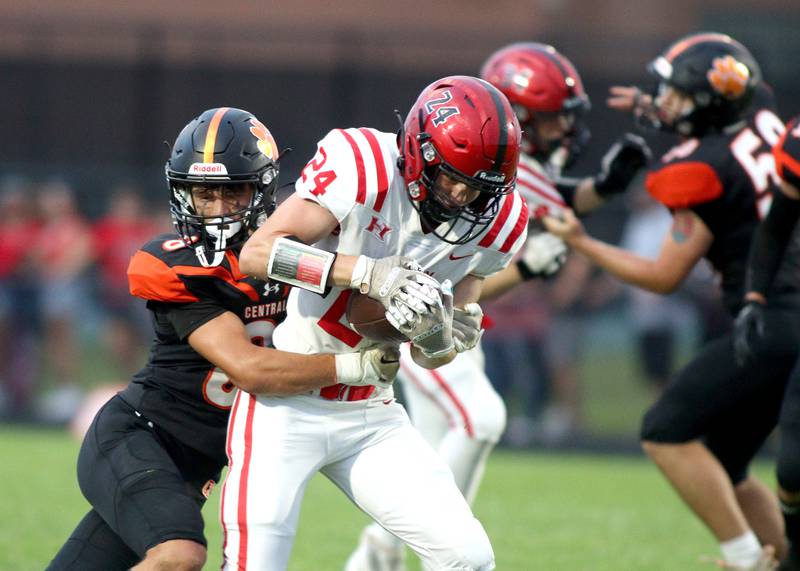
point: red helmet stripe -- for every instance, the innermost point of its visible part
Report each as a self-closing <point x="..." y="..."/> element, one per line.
<point x="361" y="192"/>
<point x="211" y="135"/>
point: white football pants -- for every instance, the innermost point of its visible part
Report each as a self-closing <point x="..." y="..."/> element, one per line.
<point x="369" y="450"/>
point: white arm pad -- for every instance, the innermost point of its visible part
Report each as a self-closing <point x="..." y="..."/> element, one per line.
<point x="300" y="265"/>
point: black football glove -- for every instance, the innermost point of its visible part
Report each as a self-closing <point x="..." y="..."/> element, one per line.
<point x="620" y="164"/>
<point x="748" y="331"/>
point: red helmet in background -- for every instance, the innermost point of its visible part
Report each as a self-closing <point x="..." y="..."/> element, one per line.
<point x="537" y="80"/>
<point x="464" y="128"/>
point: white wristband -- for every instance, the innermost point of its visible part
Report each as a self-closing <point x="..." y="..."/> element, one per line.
<point x="300" y="265"/>
<point x="348" y="368"/>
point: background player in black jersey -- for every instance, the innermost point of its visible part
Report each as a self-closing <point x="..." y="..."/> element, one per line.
<point x="774" y="248"/>
<point x="713" y="416"/>
<point x="155" y="450"/>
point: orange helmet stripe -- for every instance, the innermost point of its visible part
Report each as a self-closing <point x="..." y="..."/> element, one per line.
<point x="686" y="43"/>
<point x="211" y="135"/>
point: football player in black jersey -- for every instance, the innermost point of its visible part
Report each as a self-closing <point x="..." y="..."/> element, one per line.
<point x="774" y="248"/>
<point x="155" y="450"/>
<point x="713" y="416"/>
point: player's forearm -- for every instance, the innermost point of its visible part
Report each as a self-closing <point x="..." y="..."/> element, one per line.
<point x="586" y="198"/>
<point x="501" y="282"/>
<point x="642" y="272"/>
<point x="770" y="241"/>
<point x="254" y="258"/>
<point x="273" y="372"/>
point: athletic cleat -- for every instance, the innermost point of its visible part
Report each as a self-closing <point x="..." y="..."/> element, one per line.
<point x="373" y="555"/>
<point x="766" y="562"/>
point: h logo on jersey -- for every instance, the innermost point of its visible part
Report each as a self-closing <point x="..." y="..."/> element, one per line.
<point x="378" y="228"/>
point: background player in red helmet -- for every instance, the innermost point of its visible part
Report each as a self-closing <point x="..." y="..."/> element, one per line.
<point x="455" y="406"/>
<point x="774" y="247"/>
<point x="442" y="194"/>
<point x="156" y="449"/>
<point x="717" y="182"/>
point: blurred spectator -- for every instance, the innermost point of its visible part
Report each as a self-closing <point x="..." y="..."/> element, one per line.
<point x="514" y="359"/>
<point x="577" y="291"/>
<point x="117" y="236"/>
<point x="18" y="300"/>
<point x="63" y="254"/>
<point x="655" y="319"/>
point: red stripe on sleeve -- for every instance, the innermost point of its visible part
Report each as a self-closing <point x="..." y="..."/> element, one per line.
<point x="522" y="221"/>
<point x="487" y="240"/>
<point x="361" y="194"/>
<point x="534" y="173"/>
<point x="380" y="168"/>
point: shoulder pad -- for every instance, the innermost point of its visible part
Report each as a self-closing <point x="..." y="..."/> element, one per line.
<point x="787" y="153"/>
<point x="150" y="277"/>
<point x="684" y="184"/>
<point x="352" y="166"/>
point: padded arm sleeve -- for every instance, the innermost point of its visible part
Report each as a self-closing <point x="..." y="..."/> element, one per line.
<point x="771" y="239"/>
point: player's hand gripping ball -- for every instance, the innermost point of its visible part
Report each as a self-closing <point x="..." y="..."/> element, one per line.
<point x="367" y="317"/>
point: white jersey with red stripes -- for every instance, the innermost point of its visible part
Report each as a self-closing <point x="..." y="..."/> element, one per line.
<point x="354" y="176"/>
<point x="536" y="185"/>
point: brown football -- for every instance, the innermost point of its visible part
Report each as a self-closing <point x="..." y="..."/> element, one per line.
<point x="368" y="318"/>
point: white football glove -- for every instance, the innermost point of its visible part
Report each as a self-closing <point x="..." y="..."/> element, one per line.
<point x="542" y="256"/>
<point x="430" y="331"/>
<point x="385" y="278"/>
<point x="467" y="330"/>
<point x="374" y="366"/>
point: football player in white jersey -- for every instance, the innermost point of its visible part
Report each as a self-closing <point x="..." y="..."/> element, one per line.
<point x="381" y="214"/>
<point x="455" y="406"/>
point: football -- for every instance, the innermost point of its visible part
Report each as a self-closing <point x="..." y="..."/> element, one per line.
<point x="368" y="318"/>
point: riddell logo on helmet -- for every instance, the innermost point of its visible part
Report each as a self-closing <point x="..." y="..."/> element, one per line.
<point x="728" y="77"/>
<point x="208" y="168"/>
<point x="490" y="176"/>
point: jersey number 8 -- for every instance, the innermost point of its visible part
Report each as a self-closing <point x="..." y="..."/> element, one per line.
<point x="218" y="390"/>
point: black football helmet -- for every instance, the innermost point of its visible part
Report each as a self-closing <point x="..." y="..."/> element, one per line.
<point x="717" y="72"/>
<point x="222" y="146"/>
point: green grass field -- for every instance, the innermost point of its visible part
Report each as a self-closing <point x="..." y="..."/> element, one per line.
<point x="542" y="511"/>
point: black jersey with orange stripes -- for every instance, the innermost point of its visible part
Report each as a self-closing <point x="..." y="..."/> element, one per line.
<point x="787" y="153"/>
<point x="178" y="389"/>
<point x="727" y="179"/>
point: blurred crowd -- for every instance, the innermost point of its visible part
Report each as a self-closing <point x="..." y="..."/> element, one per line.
<point x="69" y="324"/>
<point x="65" y="312"/>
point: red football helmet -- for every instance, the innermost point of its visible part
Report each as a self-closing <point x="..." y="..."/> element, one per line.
<point x="464" y="128"/>
<point x="537" y="79"/>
